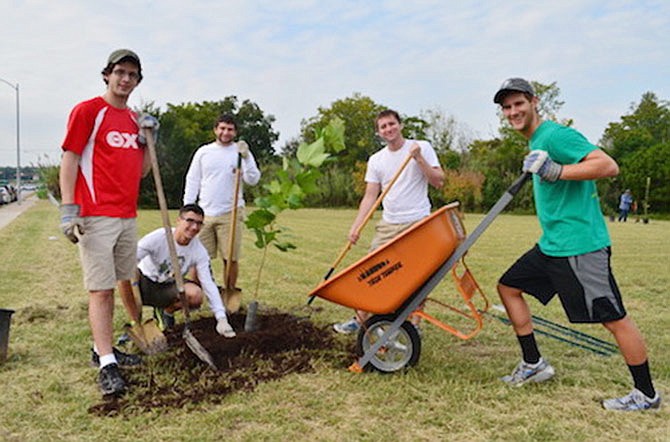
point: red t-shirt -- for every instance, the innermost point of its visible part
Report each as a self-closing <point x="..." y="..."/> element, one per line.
<point x="110" y="168"/>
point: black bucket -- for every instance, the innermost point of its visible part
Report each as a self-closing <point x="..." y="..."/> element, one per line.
<point x="5" y="320"/>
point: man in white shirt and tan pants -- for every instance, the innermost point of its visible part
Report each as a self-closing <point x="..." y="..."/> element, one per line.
<point x="210" y="181"/>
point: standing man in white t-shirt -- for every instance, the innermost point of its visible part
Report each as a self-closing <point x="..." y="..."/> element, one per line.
<point x="210" y="181"/>
<point x="407" y="201"/>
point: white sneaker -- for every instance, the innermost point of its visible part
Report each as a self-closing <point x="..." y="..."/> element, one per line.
<point x="633" y="401"/>
<point x="225" y="329"/>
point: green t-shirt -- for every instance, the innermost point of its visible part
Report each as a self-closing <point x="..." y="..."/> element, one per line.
<point x="569" y="211"/>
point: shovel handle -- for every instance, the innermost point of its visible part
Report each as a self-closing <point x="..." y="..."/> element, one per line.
<point x="233" y="222"/>
<point x="162" y="203"/>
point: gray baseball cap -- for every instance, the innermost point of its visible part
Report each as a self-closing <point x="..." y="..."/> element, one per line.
<point x="120" y="54"/>
<point x="513" y="85"/>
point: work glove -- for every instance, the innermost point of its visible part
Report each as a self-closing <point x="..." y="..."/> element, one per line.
<point x="243" y="149"/>
<point x="539" y="162"/>
<point x="147" y="121"/>
<point x="71" y="221"/>
<point x="223" y="328"/>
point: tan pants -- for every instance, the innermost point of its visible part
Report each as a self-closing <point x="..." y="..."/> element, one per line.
<point x="215" y="233"/>
<point x="385" y="232"/>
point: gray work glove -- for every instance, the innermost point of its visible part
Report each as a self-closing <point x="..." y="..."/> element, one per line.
<point x="243" y="149"/>
<point x="147" y="121"/>
<point x="539" y="162"/>
<point x="70" y="221"/>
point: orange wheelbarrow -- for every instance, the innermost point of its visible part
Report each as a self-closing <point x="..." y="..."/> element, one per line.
<point x="394" y="281"/>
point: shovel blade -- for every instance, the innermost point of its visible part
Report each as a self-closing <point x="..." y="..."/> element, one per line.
<point x="197" y="348"/>
<point x="232" y="299"/>
<point x="147" y="337"/>
<point x="250" y="323"/>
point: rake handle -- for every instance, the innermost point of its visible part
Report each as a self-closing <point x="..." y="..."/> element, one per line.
<point x="369" y="214"/>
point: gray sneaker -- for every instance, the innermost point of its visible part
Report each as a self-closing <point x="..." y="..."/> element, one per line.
<point x="525" y="372"/>
<point x="633" y="401"/>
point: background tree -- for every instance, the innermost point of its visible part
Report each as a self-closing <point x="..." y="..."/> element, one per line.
<point x="451" y="142"/>
<point x="640" y="142"/>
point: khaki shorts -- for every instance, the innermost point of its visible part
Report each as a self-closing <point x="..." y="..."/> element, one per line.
<point x="214" y="234"/>
<point x="385" y="232"/>
<point x="108" y="251"/>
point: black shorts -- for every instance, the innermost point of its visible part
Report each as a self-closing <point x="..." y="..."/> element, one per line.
<point x="584" y="283"/>
<point x="160" y="294"/>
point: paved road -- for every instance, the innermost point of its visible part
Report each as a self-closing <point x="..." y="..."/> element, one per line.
<point x="8" y="212"/>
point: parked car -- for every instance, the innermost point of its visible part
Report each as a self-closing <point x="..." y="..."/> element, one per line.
<point x="5" y="197"/>
<point x="11" y="194"/>
<point x="29" y="187"/>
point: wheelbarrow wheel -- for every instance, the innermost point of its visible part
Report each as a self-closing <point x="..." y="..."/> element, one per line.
<point x="401" y="350"/>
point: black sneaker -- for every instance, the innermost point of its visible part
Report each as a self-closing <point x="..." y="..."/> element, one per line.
<point x="168" y="320"/>
<point x="110" y="381"/>
<point x="124" y="359"/>
<point x="164" y="319"/>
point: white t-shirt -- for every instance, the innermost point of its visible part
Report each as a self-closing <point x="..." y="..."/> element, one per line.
<point x="407" y="201"/>
<point x="153" y="256"/>
<point x="211" y="178"/>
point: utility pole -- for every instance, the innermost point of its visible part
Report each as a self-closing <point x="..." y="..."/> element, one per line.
<point x="18" y="139"/>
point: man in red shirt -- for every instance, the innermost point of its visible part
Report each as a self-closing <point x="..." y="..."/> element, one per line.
<point x="101" y="167"/>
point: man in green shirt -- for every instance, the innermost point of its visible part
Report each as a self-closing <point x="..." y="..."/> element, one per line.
<point x="572" y="257"/>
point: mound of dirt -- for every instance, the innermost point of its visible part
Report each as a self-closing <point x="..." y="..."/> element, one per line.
<point x="283" y="344"/>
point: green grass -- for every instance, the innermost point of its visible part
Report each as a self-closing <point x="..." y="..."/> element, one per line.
<point x="452" y="394"/>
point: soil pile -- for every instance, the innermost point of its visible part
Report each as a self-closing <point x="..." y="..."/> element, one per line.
<point x="283" y="344"/>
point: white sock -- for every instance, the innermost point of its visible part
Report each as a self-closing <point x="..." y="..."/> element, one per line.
<point x="107" y="360"/>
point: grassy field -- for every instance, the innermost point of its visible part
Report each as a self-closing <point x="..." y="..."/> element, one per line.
<point x="452" y="394"/>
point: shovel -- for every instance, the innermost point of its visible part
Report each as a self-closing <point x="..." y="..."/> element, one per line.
<point x="145" y="335"/>
<point x="371" y="212"/>
<point x="232" y="296"/>
<point x="191" y="342"/>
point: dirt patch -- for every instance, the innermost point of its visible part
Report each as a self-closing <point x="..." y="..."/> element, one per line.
<point x="282" y="345"/>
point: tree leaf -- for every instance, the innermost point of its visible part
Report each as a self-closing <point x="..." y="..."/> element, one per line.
<point x="312" y="154"/>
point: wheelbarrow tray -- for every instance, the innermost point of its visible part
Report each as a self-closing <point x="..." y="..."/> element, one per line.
<point x="383" y="280"/>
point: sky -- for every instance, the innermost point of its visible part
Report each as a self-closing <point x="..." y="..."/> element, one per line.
<point x="293" y="56"/>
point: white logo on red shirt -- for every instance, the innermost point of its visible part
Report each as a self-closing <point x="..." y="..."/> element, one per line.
<point x="121" y="139"/>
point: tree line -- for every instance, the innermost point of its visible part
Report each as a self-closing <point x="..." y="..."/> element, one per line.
<point x="478" y="171"/>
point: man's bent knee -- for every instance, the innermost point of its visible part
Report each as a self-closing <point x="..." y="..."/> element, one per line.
<point x="507" y="291"/>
